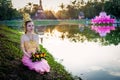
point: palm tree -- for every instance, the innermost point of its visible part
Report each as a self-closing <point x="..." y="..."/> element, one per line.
<point x="62" y="6"/>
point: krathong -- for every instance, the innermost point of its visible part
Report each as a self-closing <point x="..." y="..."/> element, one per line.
<point x="102" y="24"/>
<point x="102" y="19"/>
<point x="37" y="56"/>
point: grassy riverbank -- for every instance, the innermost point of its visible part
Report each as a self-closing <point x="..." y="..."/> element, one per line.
<point x="11" y="67"/>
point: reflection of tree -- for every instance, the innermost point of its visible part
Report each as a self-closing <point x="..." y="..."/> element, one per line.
<point x="88" y="35"/>
<point x="75" y="35"/>
<point x="113" y="37"/>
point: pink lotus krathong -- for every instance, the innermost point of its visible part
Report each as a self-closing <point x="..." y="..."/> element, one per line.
<point x="102" y="18"/>
<point x="102" y="24"/>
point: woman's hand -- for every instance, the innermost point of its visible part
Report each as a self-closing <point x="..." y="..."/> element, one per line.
<point x="28" y="54"/>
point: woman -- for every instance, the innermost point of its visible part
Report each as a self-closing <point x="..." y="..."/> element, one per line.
<point x="29" y="45"/>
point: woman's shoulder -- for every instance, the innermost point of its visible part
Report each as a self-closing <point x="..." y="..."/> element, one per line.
<point x="23" y="36"/>
<point x="36" y="35"/>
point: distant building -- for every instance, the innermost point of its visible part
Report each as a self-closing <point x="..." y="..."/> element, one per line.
<point x="40" y="13"/>
<point x="81" y="15"/>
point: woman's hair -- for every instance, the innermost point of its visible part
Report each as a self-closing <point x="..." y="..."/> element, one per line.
<point x="26" y="22"/>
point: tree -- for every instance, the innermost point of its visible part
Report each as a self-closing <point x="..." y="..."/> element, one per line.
<point x="49" y="15"/>
<point x="62" y="6"/>
<point x="6" y="10"/>
<point x="73" y="9"/>
<point x="113" y="7"/>
<point x="62" y="14"/>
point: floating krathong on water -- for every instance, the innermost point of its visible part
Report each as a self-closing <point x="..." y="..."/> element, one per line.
<point x="102" y="19"/>
<point x="102" y="24"/>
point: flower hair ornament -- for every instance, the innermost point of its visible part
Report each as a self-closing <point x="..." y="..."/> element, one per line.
<point x="26" y="17"/>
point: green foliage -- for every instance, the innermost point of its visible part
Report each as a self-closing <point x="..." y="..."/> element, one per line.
<point x="113" y="7"/>
<point x="113" y="37"/>
<point x="91" y="8"/>
<point x="62" y="14"/>
<point x="6" y="10"/>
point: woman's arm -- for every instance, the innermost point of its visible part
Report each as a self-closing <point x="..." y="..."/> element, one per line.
<point x="22" y="46"/>
<point x="37" y="40"/>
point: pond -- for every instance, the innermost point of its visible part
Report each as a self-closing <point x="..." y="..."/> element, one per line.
<point x="82" y="51"/>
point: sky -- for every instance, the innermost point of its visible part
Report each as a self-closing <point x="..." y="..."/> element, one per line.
<point x="47" y="4"/>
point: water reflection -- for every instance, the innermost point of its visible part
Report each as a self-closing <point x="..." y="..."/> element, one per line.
<point x="102" y="30"/>
<point x="81" y="33"/>
<point x="82" y="53"/>
<point x="81" y="27"/>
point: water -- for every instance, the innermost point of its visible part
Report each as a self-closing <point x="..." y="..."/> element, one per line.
<point x="88" y="56"/>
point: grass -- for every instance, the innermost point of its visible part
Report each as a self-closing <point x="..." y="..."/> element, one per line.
<point x="11" y="67"/>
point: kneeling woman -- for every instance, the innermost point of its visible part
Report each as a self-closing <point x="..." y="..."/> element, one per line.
<point x="29" y="45"/>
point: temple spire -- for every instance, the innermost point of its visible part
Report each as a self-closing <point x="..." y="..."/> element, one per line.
<point x="40" y="4"/>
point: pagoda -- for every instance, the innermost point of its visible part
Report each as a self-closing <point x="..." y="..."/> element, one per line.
<point x="39" y="13"/>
